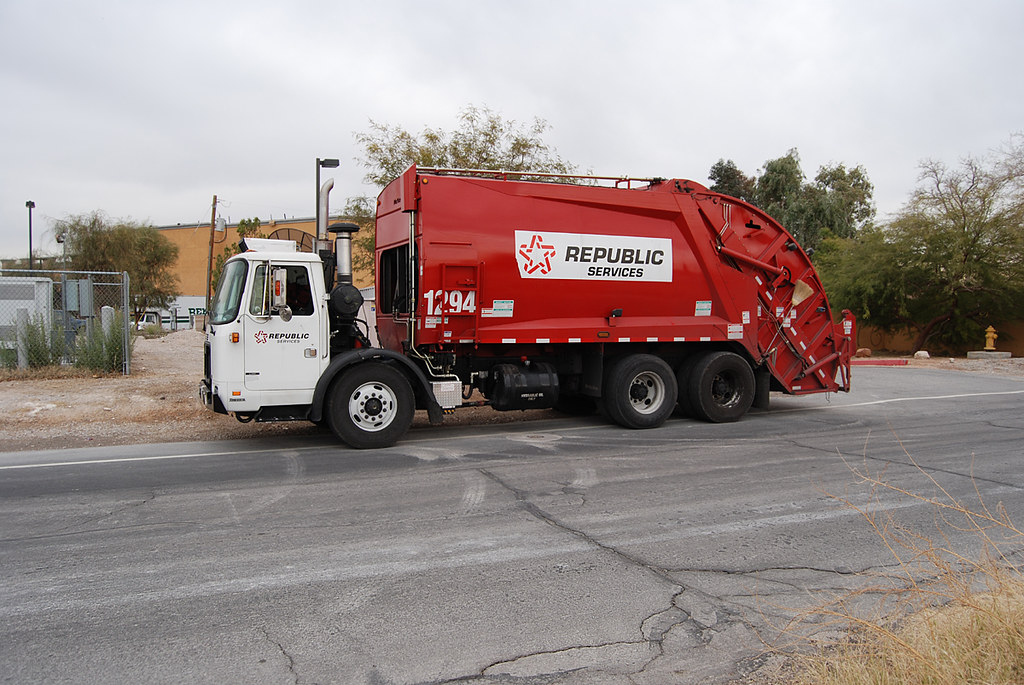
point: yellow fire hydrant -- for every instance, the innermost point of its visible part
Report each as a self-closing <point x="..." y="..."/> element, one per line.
<point x="990" y="339"/>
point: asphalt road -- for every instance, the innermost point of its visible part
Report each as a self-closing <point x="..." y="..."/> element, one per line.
<point x="560" y="551"/>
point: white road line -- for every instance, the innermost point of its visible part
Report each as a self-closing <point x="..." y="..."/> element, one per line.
<point x="900" y="399"/>
<point x="529" y="431"/>
<point x="123" y="460"/>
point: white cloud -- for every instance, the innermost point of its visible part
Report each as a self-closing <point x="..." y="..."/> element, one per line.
<point x="147" y="110"/>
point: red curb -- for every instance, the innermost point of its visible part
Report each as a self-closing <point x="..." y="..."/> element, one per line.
<point x="878" y="362"/>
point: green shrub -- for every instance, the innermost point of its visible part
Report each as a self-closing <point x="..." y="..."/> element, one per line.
<point x="102" y="350"/>
<point x="153" y="330"/>
<point x="44" y="345"/>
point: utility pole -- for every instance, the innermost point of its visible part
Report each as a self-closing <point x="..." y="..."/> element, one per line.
<point x="31" y="205"/>
<point x="209" y="258"/>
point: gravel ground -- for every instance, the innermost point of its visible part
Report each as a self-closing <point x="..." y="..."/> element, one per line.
<point x="159" y="402"/>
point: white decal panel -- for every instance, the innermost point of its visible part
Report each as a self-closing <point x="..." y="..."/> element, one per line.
<point x="501" y="309"/>
<point x="593" y="257"/>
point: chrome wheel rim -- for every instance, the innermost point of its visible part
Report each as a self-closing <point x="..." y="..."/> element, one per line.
<point x="372" y="406"/>
<point x="646" y="392"/>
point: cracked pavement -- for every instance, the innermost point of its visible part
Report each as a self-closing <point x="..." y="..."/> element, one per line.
<point x="559" y="551"/>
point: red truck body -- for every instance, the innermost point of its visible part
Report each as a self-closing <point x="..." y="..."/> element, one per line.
<point x="521" y="269"/>
<point x="636" y="298"/>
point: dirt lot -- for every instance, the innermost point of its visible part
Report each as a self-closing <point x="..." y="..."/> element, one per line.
<point x="159" y="402"/>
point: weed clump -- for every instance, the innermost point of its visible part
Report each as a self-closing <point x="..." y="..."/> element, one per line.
<point x="40" y="349"/>
<point x="950" y="612"/>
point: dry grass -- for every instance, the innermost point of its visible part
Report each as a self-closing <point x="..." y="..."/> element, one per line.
<point x="950" y="612"/>
<point x="46" y="373"/>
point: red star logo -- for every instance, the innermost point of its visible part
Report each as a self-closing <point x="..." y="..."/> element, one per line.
<point x="536" y="255"/>
<point x="261" y="337"/>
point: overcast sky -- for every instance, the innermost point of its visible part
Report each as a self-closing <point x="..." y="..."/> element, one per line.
<point x="146" y="110"/>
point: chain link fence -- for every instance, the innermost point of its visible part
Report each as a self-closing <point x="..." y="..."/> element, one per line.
<point x="78" y="318"/>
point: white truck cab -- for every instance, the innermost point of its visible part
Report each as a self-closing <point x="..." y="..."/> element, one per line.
<point x="267" y="334"/>
<point x="284" y="344"/>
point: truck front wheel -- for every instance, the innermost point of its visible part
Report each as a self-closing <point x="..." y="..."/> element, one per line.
<point x="721" y="387"/>
<point x="640" y="391"/>
<point x="370" y="405"/>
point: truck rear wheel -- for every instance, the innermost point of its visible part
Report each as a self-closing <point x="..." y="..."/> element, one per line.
<point x="370" y="405"/>
<point x="640" y="391"/>
<point x="720" y="387"/>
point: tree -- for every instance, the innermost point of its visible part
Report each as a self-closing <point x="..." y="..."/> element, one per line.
<point x="484" y="140"/>
<point x="360" y="211"/>
<point x="950" y="264"/>
<point x="247" y="228"/>
<point x="729" y="180"/>
<point x="840" y="200"/>
<point x="95" y="243"/>
<point x="837" y="202"/>
<point x="779" y="188"/>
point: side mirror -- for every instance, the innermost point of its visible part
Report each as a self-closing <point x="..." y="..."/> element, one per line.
<point x="279" y="294"/>
<point x="279" y="297"/>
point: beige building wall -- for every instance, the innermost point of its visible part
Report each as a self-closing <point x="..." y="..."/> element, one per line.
<point x="193" y="243"/>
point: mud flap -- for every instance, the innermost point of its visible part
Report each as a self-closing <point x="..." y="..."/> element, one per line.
<point x="762" y="387"/>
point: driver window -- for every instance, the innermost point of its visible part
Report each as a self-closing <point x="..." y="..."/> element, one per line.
<point x="257" y="305"/>
<point x="300" y="297"/>
<point x="300" y="294"/>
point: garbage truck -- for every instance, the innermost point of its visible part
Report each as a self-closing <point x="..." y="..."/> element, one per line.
<point x="638" y="299"/>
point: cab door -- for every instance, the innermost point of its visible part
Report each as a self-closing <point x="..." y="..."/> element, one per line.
<point x="283" y="356"/>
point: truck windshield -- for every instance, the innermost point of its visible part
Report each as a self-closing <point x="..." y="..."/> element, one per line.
<point x="228" y="297"/>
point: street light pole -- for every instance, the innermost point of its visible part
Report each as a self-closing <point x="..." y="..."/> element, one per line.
<point x="327" y="164"/>
<point x="31" y="205"/>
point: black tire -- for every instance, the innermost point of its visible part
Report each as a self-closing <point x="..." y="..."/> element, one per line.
<point x="684" y="406"/>
<point x="762" y="388"/>
<point x="576" y="405"/>
<point x="721" y="387"/>
<point x="640" y="391"/>
<point x="370" y="406"/>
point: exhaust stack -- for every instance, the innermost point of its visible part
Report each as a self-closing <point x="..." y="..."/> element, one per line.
<point x="345" y="298"/>
<point x="323" y="206"/>
<point x="343" y="249"/>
